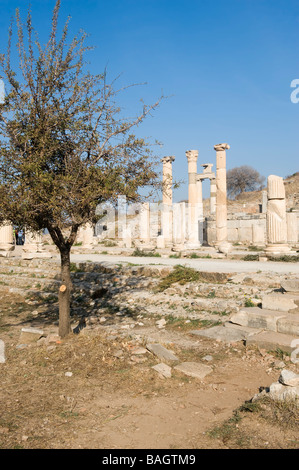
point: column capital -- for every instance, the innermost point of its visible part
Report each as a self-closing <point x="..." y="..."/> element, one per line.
<point x="192" y="155"/>
<point x="168" y="159"/>
<point x="221" y="147"/>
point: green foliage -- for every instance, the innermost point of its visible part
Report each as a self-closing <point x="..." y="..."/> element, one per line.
<point x="150" y="254"/>
<point x="181" y="275"/>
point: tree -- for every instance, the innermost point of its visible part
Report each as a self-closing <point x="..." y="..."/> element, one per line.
<point x="64" y="145"/>
<point x="243" y="178"/>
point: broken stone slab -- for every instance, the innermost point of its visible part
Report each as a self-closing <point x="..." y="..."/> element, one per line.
<point x="30" y="335"/>
<point x="2" y="352"/>
<point x="279" y="302"/>
<point x="194" y="369"/>
<point x="271" y="341"/>
<point x="247" y="331"/>
<point x="290" y="285"/>
<point x="222" y="333"/>
<point x="255" y="317"/>
<point x="281" y="392"/>
<point x="161" y="352"/>
<point x="163" y="370"/>
<point x="288" y="377"/>
<point x="289" y="325"/>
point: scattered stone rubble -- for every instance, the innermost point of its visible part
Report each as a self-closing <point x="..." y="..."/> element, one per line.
<point x="286" y="388"/>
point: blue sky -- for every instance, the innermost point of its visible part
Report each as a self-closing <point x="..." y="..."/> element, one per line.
<point x="225" y="65"/>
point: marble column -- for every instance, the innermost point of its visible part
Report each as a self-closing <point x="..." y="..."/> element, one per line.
<point x="213" y="196"/>
<point x="144" y="223"/>
<point x="193" y="212"/>
<point x="221" y="199"/>
<point x="166" y="214"/>
<point x="6" y="240"/>
<point x="167" y="179"/>
<point x="276" y="216"/>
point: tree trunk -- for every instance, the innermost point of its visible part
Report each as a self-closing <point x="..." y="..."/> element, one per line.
<point x="64" y="296"/>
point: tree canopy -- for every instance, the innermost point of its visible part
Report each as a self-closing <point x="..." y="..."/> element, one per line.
<point x="243" y="178"/>
<point x="65" y="145"/>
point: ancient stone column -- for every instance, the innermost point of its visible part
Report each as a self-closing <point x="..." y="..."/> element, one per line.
<point x="166" y="214"/>
<point x="167" y="179"/>
<point x="193" y="212"/>
<point x="144" y="223"/>
<point x="6" y="240"/>
<point x="276" y="216"/>
<point x="221" y="200"/>
<point x="213" y="196"/>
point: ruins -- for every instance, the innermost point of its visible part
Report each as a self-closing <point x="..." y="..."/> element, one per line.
<point x="189" y="225"/>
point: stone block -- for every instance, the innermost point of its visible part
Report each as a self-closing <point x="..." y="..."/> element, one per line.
<point x="221" y="333"/>
<point x="2" y="352"/>
<point x="255" y="317"/>
<point x="30" y="335"/>
<point x="194" y="369"/>
<point x="271" y="341"/>
<point x="288" y="377"/>
<point x="289" y="325"/>
<point x="163" y="370"/>
<point x="161" y="352"/>
<point x="279" y="302"/>
<point x="290" y="285"/>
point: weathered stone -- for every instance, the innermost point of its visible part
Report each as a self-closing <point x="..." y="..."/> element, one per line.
<point x="255" y="317"/>
<point x="2" y="352"/>
<point x="282" y="392"/>
<point x="163" y="370"/>
<point x="271" y="340"/>
<point x="30" y="335"/>
<point x="221" y="333"/>
<point x="161" y="352"/>
<point x="287" y="377"/>
<point x="289" y="325"/>
<point x="290" y="285"/>
<point x="279" y="302"/>
<point x="194" y="369"/>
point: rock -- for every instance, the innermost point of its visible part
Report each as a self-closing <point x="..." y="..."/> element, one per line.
<point x="139" y="350"/>
<point x="280" y="302"/>
<point x="290" y="285"/>
<point x="225" y="248"/>
<point x="68" y="374"/>
<point x="278" y="391"/>
<point x="161" y="323"/>
<point x="194" y="369"/>
<point x="161" y="352"/>
<point x="2" y="352"/>
<point x="30" y="335"/>
<point x="207" y="358"/>
<point x="163" y="370"/>
<point x="287" y="377"/>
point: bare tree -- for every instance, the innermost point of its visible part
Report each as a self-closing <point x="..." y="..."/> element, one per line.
<point x="65" y="146"/>
<point x="243" y="178"/>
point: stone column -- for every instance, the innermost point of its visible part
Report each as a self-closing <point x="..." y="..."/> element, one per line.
<point x="193" y="216"/>
<point x="144" y="223"/>
<point x="276" y="216"/>
<point x="6" y="240"/>
<point x="167" y="179"/>
<point x="166" y="215"/>
<point x="213" y="196"/>
<point x="221" y="201"/>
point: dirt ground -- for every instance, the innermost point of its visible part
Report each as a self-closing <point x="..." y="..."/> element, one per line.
<point x="90" y="391"/>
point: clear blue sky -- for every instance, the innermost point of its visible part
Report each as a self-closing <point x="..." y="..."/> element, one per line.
<point x="226" y="65"/>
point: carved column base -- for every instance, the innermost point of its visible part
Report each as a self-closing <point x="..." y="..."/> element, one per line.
<point x="277" y="248"/>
